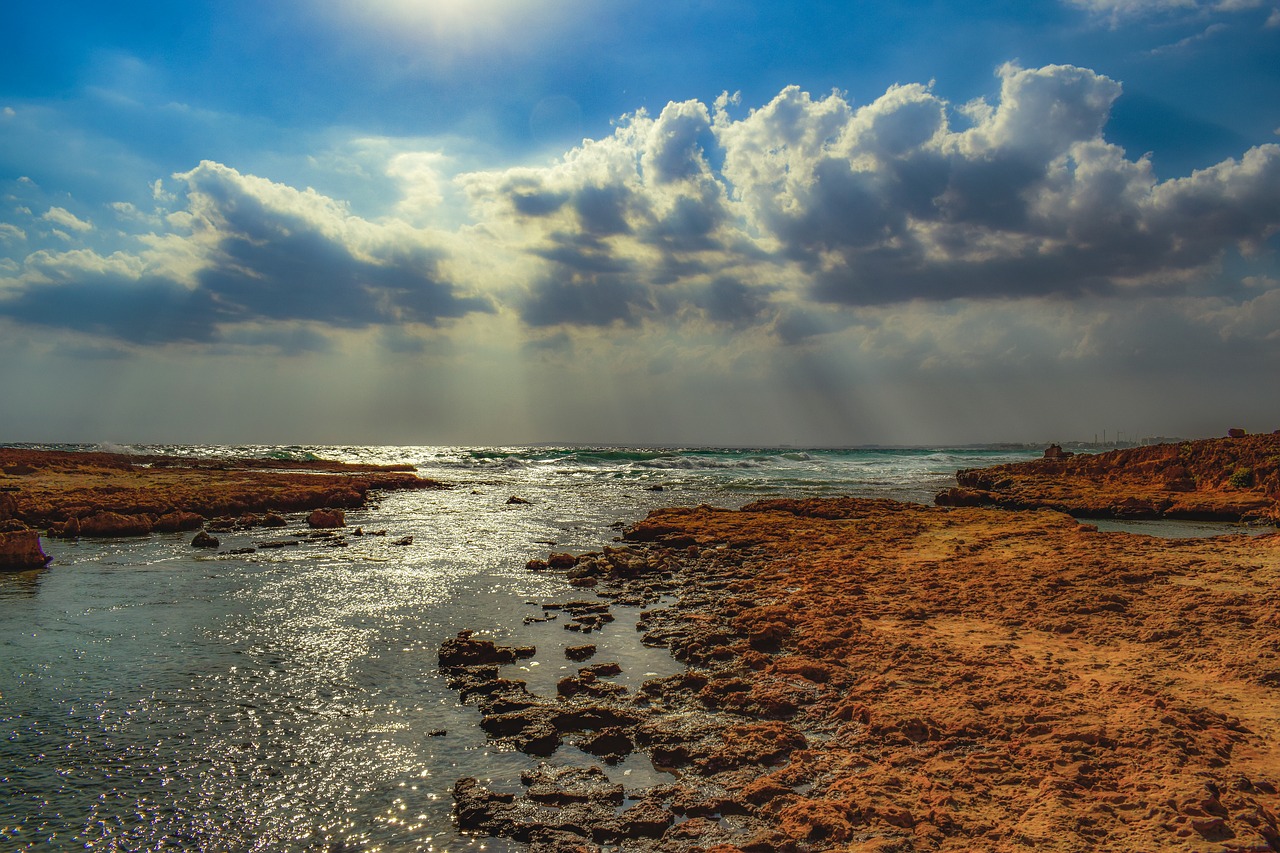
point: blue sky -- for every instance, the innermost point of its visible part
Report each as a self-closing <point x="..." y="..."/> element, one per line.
<point x="504" y="221"/>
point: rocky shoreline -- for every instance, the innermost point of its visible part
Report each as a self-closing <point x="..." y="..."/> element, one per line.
<point x="1233" y="479"/>
<point x="69" y="494"/>
<point x="865" y="675"/>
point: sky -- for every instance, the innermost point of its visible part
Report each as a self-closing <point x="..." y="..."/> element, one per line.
<point x="488" y="222"/>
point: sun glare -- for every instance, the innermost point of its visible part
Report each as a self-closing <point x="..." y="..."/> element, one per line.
<point x="459" y="24"/>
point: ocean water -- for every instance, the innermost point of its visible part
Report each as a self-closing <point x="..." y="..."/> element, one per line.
<point x="155" y="697"/>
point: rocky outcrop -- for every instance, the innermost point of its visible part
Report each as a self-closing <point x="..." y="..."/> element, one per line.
<point x="1230" y="479"/>
<point x="204" y="540"/>
<point x="867" y="675"/>
<point x="20" y="548"/>
<point x="103" y="494"/>
<point x="327" y="519"/>
<point x="105" y="523"/>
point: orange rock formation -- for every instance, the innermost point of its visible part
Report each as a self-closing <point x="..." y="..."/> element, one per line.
<point x="971" y="679"/>
<point x="1229" y="479"/>
<point x="106" y="494"/>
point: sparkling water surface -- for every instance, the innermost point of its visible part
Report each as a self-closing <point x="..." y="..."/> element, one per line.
<point x="156" y="697"/>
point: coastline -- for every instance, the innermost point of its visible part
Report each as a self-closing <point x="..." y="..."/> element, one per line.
<point x="862" y="674"/>
<point x="1235" y="479"/>
<point x="70" y="494"/>
<point x="868" y="675"/>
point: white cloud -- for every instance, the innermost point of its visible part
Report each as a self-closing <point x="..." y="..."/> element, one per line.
<point x="11" y="233"/>
<point x="1133" y="8"/>
<point x="419" y="177"/>
<point x="1118" y="11"/>
<point x="806" y="222"/>
<point x="67" y="219"/>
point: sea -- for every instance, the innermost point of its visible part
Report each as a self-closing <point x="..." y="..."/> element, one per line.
<point x="157" y="697"/>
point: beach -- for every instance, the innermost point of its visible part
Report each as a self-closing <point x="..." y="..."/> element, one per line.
<point x="790" y="669"/>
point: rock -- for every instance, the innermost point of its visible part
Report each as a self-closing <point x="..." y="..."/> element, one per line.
<point x="20" y="548"/>
<point x="204" y="540"/>
<point x="1236" y="432"/>
<point x="65" y="529"/>
<point x="464" y="651"/>
<point x="562" y="786"/>
<point x="612" y="744"/>
<point x="478" y="809"/>
<point x="515" y="501"/>
<point x="116" y="524"/>
<point x="580" y="653"/>
<point x="272" y="519"/>
<point x="960" y="496"/>
<point x="646" y="819"/>
<point x="1224" y="479"/>
<point x="536" y="565"/>
<point x="177" y="521"/>
<point x="8" y="504"/>
<point x="403" y="540"/>
<point x="562" y="561"/>
<point x="327" y="519"/>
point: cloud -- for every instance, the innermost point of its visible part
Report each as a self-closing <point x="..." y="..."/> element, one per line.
<point x="248" y="252"/>
<point x="285" y="254"/>
<point x="11" y="233"/>
<point x="790" y="223"/>
<point x="1118" y="10"/>
<point x="616" y="222"/>
<point x="67" y="219"/>
<point x="909" y="197"/>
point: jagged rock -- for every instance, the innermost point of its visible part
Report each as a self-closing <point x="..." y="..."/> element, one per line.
<point x="20" y="548"/>
<point x="116" y="524"/>
<point x="465" y="651"/>
<point x="204" y="540"/>
<point x="8" y="504"/>
<point x="327" y="519"/>
<point x="579" y="653"/>
<point x="515" y="501"/>
<point x="65" y="529"/>
<point x="562" y="786"/>
<point x="611" y="743"/>
<point x="960" y="496"/>
<point x="177" y="521"/>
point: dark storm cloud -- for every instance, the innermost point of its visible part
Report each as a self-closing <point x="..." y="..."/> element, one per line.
<point x="268" y="254"/>
<point x="907" y="198"/>
<point x="728" y="301"/>
<point x="285" y="255"/>
<point x="585" y="301"/>
<point x="145" y="311"/>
